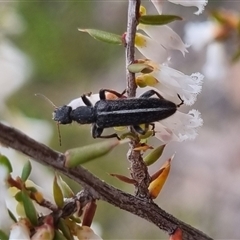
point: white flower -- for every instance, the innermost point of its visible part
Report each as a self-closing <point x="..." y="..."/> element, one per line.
<point x="172" y="82"/>
<point x="87" y="233"/>
<point x="19" y="231"/>
<point x="151" y="48"/>
<point x="200" y="4"/>
<point x="179" y="127"/>
<point x="158" y="5"/>
<point x="165" y="36"/>
<point x="198" y="35"/>
<point x="93" y="98"/>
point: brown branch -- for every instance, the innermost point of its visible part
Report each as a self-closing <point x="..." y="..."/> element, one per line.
<point x="98" y="189"/>
<point x="138" y="169"/>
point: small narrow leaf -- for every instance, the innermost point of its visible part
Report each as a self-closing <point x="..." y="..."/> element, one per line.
<point x="18" y="196"/>
<point x="27" y="168"/>
<point x="12" y="216"/>
<point x="158" y="19"/>
<point x="66" y="190"/>
<point x="65" y="229"/>
<point x="3" y="236"/>
<point x="140" y="68"/>
<point x="177" y="235"/>
<point x="5" y="162"/>
<point x="129" y="135"/>
<point x="59" y="236"/>
<point x="103" y="36"/>
<point x="89" y="213"/>
<point x="123" y="178"/>
<point x="29" y="208"/>
<point x="156" y="185"/>
<point x="87" y="153"/>
<point x="153" y="156"/>
<point x="147" y="135"/>
<point x="57" y="193"/>
<point x="142" y="147"/>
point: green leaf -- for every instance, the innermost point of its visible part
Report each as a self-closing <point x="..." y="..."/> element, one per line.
<point x="103" y="36"/>
<point x="66" y="190"/>
<point x="158" y="19"/>
<point x="18" y="196"/>
<point x="27" y="168"/>
<point x="90" y="152"/>
<point x="12" y="216"/>
<point x="5" y="162"/>
<point x="57" y="193"/>
<point x="3" y="236"/>
<point x="154" y="155"/>
<point x="59" y="236"/>
<point x="65" y="229"/>
<point x="29" y="208"/>
<point x="140" y="67"/>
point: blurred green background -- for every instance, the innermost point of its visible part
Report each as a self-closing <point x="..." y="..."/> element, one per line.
<point x="64" y="63"/>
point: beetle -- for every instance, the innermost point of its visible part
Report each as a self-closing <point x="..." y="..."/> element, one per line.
<point x="119" y="112"/>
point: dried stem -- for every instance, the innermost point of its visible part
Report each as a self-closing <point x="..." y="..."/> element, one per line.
<point x="96" y="188"/>
<point x="138" y="169"/>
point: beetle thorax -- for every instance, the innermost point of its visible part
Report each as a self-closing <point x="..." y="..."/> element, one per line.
<point x="83" y="115"/>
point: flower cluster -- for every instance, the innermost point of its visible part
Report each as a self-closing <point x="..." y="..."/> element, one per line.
<point x="27" y="210"/>
<point x="155" y="46"/>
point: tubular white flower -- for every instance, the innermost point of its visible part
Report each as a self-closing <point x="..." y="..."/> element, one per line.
<point x="158" y="5"/>
<point x="19" y="231"/>
<point x="165" y="36"/>
<point x="151" y="49"/>
<point x="87" y="233"/>
<point x="200" y="4"/>
<point x="198" y="35"/>
<point x="79" y="102"/>
<point x="173" y="82"/>
<point x="179" y="127"/>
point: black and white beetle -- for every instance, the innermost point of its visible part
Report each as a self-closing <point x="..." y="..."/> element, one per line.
<point x="120" y="112"/>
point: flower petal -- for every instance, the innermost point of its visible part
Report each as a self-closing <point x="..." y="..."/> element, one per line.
<point x="158" y="5"/>
<point x="200" y="4"/>
<point x="151" y="49"/>
<point x="173" y="82"/>
<point x="179" y="127"/>
<point x="79" y="102"/>
<point x="165" y="36"/>
<point x="19" y="231"/>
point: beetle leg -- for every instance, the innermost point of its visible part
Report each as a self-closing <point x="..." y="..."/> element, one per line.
<point x="182" y="101"/>
<point x="97" y="133"/>
<point x="139" y="130"/>
<point x="153" y="126"/>
<point x="86" y="100"/>
<point x="103" y="96"/>
<point x="150" y="93"/>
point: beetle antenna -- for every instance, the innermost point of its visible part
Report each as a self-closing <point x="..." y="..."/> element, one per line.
<point x="182" y="101"/>
<point x="46" y="98"/>
<point x="59" y="135"/>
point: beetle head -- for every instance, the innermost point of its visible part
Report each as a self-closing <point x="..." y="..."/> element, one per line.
<point x="62" y="115"/>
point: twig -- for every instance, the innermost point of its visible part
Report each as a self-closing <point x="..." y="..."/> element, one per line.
<point x="138" y="169"/>
<point x="97" y="189"/>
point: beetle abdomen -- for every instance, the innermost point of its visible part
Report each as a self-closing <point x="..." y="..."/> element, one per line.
<point x="132" y="111"/>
